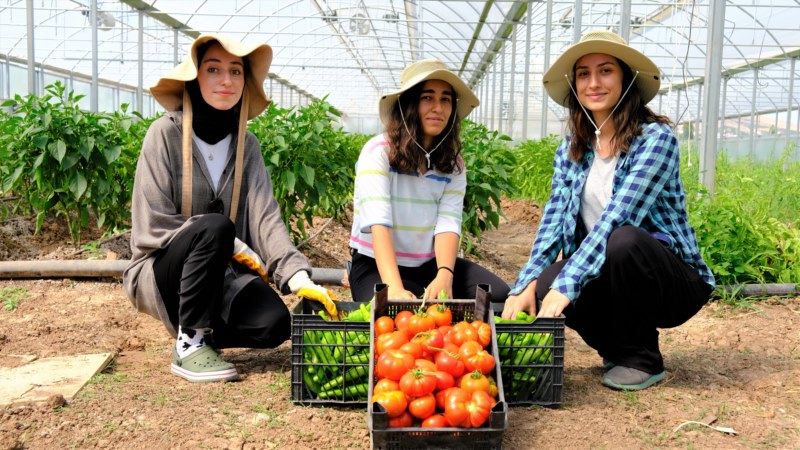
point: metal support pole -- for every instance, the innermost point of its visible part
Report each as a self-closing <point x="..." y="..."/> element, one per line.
<point x="512" y="91"/>
<point x="31" y="46"/>
<point x="140" y="69"/>
<point x="94" y="91"/>
<point x="577" y="16"/>
<point x="546" y="50"/>
<point x="494" y="96"/>
<point x="699" y="120"/>
<point x="625" y="20"/>
<point x="527" y="73"/>
<point x="753" y="117"/>
<point x="713" y="71"/>
<point x="175" y="59"/>
<point x="789" y="102"/>
<point x="723" y="111"/>
<point x="502" y="87"/>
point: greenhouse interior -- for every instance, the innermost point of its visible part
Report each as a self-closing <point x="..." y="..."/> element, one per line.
<point x="741" y="53"/>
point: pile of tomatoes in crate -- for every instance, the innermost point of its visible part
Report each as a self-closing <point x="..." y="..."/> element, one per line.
<point x="432" y="373"/>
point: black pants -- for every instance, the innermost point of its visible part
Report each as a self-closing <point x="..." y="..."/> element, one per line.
<point x="642" y="286"/>
<point x="190" y="274"/>
<point x="468" y="275"/>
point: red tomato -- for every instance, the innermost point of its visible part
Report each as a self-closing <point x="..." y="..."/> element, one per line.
<point x="401" y="321"/>
<point x="402" y="421"/>
<point x="441" y="314"/>
<point x="462" y="332"/>
<point x="416" y="383"/>
<point x="443" y="380"/>
<point x="431" y="341"/>
<point x="441" y="396"/>
<point x="385" y="385"/>
<point x="383" y="325"/>
<point x="468" y="410"/>
<point x="425" y="364"/>
<point x="420" y="323"/>
<point x="394" y="402"/>
<point x="493" y="390"/>
<point x="475" y="381"/>
<point x="422" y="407"/>
<point x="412" y="348"/>
<point x="435" y="421"/>
<point x="476" y="358"/>
<point x="390" y="341"/>
<point x="450" y="362"/>
<point x="484" y="332"/>
<point x="393" y="364"/>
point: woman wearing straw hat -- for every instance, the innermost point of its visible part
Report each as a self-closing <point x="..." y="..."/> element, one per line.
<point x="617" y="213"/>
<point x="409" y="193"/>
<point x="201" y="197"/>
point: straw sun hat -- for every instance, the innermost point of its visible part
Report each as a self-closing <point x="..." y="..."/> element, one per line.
<point x="601" y="41"/>
<point x="170" y="92"/>
<point x="429" y="69"/>
<point x="169" y="89"/>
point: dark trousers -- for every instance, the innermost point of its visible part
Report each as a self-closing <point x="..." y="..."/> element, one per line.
<point x="642" y="286"/>
<point x="468" y="275"/>
<point x="190" y="274"/>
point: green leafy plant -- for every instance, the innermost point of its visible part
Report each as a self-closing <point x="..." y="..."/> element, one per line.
<point x="57" y="158"/>
<point x="12" y="297"/>
<point x="312" y="171"/>
<point x="533" y="171"/>
<point x="490" y="162"/>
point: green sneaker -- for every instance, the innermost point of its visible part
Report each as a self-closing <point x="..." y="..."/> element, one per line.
<point x="629" y="379"/>
<point x="607" y="364"/>
<point x="202" y="366"/>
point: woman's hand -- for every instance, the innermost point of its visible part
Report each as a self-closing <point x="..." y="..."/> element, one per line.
<point x="525" y="301"/>
<point x="553" y="304"/>
<point x="398" y="292"/>
<point x="442" y="282"/>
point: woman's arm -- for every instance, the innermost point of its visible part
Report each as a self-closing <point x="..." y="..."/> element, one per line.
<point x="386" y="260"/>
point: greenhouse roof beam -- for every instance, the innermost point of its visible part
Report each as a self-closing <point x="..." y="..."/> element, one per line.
<point x="744" y="67"/>
<point x="513" y="16"/>
<point x="164" y="18"/>
<point x="411" y="23"/>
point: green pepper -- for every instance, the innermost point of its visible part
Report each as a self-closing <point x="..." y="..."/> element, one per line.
<point x="356" y="391"/>
<point x="355" y="373"/>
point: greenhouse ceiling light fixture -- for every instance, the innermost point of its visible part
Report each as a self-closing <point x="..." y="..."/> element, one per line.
<point x="105" y="20"/>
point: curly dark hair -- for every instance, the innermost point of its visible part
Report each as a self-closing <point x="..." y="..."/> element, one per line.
<point x="404" y="155"/>
<point x="628" y="118"/>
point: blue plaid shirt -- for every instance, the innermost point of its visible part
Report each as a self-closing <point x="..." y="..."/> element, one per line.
<point x="647" y="193"/>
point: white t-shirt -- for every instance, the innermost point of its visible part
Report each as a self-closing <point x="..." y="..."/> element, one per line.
<point x="415" y="206"/>
<point x="215" y="157"/>
<point x="598" y="189"/>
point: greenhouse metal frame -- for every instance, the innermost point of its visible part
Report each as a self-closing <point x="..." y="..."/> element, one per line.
<point x="729" y="68"/>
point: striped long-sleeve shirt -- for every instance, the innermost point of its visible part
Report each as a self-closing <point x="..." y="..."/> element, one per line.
<point x="647" y="193"/>
<point x="415" y="206"/>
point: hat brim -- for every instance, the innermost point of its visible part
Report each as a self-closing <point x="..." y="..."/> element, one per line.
<point x="467" y="101"/>
<point x="557" y="85"/>
<point x="168" y="91"/>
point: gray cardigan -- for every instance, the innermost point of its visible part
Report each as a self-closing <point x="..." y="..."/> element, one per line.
<point x="156" y="212"/>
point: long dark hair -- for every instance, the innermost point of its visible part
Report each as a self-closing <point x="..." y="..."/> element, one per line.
<point x="628" y="118"/>
<point x="404" y="155"/>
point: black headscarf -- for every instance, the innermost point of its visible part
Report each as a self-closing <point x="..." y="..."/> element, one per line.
<point x="210" y="124"/>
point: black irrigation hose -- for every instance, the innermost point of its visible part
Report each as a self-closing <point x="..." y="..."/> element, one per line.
<point x="87" y="268"/>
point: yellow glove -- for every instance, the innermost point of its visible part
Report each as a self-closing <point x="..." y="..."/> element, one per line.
<point x="245" y="256"/>
<point x="323" y="296"/>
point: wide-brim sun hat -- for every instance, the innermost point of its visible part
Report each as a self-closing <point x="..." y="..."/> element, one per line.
<point x="168" y="91"/>
<point x="601" y="41"/>
<point x="429" y="69"/>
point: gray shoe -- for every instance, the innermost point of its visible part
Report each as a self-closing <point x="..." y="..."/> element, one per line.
<point x="630" y="379"/>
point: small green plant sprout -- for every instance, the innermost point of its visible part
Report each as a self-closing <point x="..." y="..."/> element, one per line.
<point x="11" y="297"/>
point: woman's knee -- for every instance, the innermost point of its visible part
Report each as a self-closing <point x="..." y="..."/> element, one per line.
<point x="626" y="241"/>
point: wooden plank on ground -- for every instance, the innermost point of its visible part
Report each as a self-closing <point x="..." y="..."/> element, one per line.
<point x="39" y="379"/>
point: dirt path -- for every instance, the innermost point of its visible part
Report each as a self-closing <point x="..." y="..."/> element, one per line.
<point x="740" y="368"/>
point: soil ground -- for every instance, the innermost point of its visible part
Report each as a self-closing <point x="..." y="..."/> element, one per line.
<point x="732" y="367"/>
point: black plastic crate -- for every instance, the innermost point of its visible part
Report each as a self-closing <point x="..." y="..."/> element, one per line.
<point x="531" y="360"/>
<point x="489" y="436"/>
<point x="329" y="350"/>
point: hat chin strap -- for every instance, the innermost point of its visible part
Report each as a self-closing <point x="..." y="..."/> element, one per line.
<point x="186" y="144"/>
<point x="589" y="116"/>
